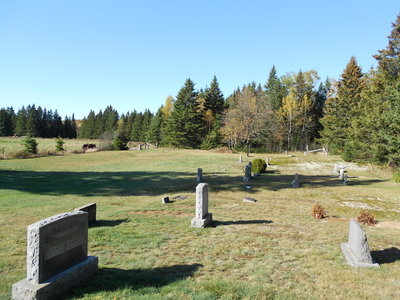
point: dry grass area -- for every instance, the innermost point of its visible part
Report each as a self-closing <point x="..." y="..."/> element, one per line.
<point x="271" y="249"/>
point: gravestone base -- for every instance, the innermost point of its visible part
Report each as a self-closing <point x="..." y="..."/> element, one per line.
<point x="57" y="285"/>
<point x="201" y="223"/>
<point x="352" y="260"/>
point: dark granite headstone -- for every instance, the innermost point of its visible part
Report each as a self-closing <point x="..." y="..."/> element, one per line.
<point x="90" y="209"/>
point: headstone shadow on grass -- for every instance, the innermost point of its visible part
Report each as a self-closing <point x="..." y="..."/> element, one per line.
<point x="112" y="279"/>
<point x="110" y="223"/>
<point x="240" y="222"/>
<point x="386" y="256"/>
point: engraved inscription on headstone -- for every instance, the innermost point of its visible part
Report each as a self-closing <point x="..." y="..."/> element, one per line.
<point x="57" y="257"/>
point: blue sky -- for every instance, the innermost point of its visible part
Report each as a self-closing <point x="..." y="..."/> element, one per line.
<point x="74" y="56"/>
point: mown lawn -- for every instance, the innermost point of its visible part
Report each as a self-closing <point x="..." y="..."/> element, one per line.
<point x="272" y="249"/>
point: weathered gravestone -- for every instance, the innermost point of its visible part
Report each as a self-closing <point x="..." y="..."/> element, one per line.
<point x="267" y="161"/>
<point x="249" y="199"/>
<point x="240" y="159"/>
<point x="356" y="250"/>
<point x="165" y="200"/>
<point x="341" y="173"/>
<point x="90" y="209"/>
<point x="247" y="172"/>
<point x="57" y="257"/>
<point x="345" y="179"/>
<point x="295" y="182"/>
<point x="202" y="218"/>
<point x="140" y="147"/>
<point x="199" y="175"/>
<point x="336" y="169"/>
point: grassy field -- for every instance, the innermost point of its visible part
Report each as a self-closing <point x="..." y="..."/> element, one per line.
<point x="10" y="145"/>
<point x="272" y="249"/>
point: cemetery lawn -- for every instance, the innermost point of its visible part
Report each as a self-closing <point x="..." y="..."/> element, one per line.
<point x="271" y="249"/>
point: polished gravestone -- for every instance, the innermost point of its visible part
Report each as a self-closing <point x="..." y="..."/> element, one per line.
<point x="57" y="257"/>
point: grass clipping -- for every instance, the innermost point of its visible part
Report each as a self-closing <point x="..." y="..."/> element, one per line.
<point x="366" y="218"/>
<point x="318" y="211"/>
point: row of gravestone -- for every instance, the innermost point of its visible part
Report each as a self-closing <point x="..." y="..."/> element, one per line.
<point x="57" y="250"/>
<point x="57" y="255"/>
<point x="356" y="250"/>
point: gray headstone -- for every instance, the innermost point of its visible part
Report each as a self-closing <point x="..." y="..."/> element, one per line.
<point x="267" y="161"/>
<point x="247" y="173"/>
<point x="356" y="250"/>
<point x="56" y="257"/>
<point x="240" y="159"/>
<point x="336" y="169"/>
<point x="295" y="182"/>
<point x="165" y="200"/>
<point x="341" y="173"/>
<point x="140" y="147"/>
<point x="345" y="179"/>
<point x="90" y="209"/>
<point x="250" y="200"/>
<point x="202" y="218"/>
<point x="199" y="175"/>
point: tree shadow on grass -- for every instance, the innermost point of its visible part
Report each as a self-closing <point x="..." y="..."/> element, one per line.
<point x="241" y="222"/>
<point x="109" y="223"/>
<point x="111" y="279"/>
<point x="386" y="256"/>
<point x="148" y="183"/>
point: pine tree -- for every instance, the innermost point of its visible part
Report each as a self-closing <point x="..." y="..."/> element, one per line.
<point x="274" y="90"/>
<point x="146" y="120"/>
<point x="7" y="121"/>
<point x="73" y="128"/>
<point x="185" y="123"/>
<point x="214" y="99"/>
<point x="154" y="133"/>
<point x="137" y="128"/>
<point x="343" y="108"/>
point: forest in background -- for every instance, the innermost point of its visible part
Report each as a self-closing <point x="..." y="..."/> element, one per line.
<point x="357" y="116"/>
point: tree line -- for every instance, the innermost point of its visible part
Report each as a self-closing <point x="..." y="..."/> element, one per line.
<point x="357" y="116"/>
<point x="36" y="122"/>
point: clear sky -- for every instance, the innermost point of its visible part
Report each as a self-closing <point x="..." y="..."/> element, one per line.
<point x="74" y="56"/>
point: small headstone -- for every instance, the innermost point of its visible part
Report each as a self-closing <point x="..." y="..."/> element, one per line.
<point x="202" y="218"/>
<point x="240" y="159"/>
<point x="90" y="209"/>
<point x="165" y="200"/>
<point x="295" y="182"/>
<point x="341" y="173"/>
<point x="250" y="200"/>
<point x="199" y="175"/>
<point x="57" y="257"/>
<point x="267" y="161"/>
<point x="345" y="180"/>
<point x="140" y="146"/>
<point x="247" y="173"/>
<point x="356" y="250"/>
<point x="336" y="169"/>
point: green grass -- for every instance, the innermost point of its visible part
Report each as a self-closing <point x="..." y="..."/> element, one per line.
<point x="9" y="146"/>
<point x="147" y="250"/>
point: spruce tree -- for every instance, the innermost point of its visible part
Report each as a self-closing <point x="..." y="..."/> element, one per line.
<point x="214" y="99"/>
<point x="274" y="90"/>
<point x="184" y="126"/>
<point x="154" y="133"/>
<point x="137" y="128"/>
<point x="6" y="121"/>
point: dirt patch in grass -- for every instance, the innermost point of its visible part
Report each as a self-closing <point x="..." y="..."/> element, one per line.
<point x="161" y="212"/>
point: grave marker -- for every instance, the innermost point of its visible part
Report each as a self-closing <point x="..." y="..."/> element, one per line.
<point x="356" y="250"/>
<point x="295" y="182"/>
<point x="203" y="217"/>
<point x="57" y="257"/>
<point x="90" y="209"/>
<point x="199" y="175"/>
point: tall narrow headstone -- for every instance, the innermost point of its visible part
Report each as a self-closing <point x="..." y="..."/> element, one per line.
<point x="199" y="175"/>
<point x="240" y="158"/>
<point x="345" y="179"/>
<point x="57" y="257"/>
<point x="356" y="250"/>
<point x="140" y="147"/>
<point x="267" y="161"/>
<point x="295" y="182"/>
<point x="341" y="173"/>
<point x="336" y="169"/>
<point x="203" y="217"/>
<point x="247" y="173"/>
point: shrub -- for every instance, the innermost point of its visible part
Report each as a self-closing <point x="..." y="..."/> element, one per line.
<point x="366" y="218"/>
<point x="396" y="177"/>
<point x="318" y="211"/>
<point x="347" y="155"/>
<point x="30" y="145"/>
<point x="59" y="144"/>
<point x="258" y="166"/>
